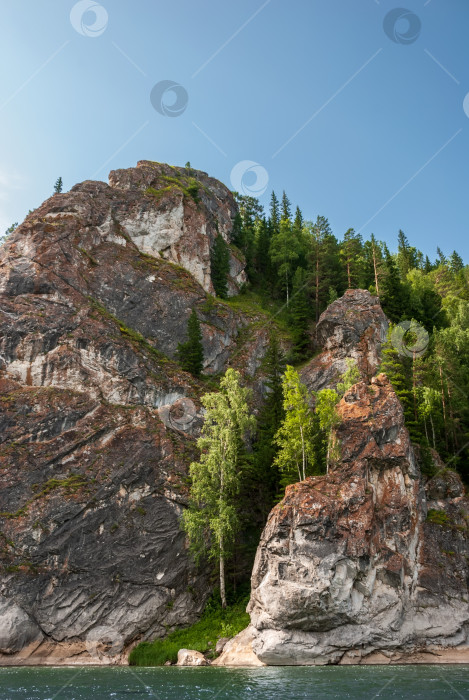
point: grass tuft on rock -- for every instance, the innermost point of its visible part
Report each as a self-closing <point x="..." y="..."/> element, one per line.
<point x="201" y="636"/>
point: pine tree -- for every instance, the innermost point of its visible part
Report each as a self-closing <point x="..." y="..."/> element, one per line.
<point x="58" y="186"/>
<point x="326" y="272"/>
<point x="220" y="266"/>
<point x="212" y="520"/>
<point x="283" y="253"/>
<point x="351" y="250"/>
<point x="191" y="353"/>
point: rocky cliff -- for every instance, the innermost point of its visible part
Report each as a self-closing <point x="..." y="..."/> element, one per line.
<point x="368" y="564"/>
<point x="96" y="420"/>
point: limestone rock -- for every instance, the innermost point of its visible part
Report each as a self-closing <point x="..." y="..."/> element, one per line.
<point x="189" y="657"/>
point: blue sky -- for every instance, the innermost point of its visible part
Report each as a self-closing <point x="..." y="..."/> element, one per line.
<point x="357" y="126"/>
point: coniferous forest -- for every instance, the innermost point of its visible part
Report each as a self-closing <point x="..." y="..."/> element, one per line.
<point x="305" y="266"/>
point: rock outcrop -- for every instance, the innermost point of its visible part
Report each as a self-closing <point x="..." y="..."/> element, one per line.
<point x="367" y="564"/>
<point x="353" y="326"/>
<point x="97" y="423"/>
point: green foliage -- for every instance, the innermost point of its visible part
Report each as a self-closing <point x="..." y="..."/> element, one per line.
<point x="8" y="232"/>
<point x="326" y="402"/>
<point x="220" y="266"/>
<point x="350" y="377"/>
<point x="191" y="353"/>
<point x="300" y="314"/>
<point x="212" y="520"/>
<point x="202" y="636"/>
<point x="294" y="438"/>
<point x="58" y="185"/>
<point x="438" y="517"/>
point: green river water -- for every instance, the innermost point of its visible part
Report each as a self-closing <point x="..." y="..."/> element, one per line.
<point x="273" y="683"/>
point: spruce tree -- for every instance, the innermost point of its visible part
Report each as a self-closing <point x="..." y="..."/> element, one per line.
<point x="286" y="207"/>
<point x="58" y="186"/>
<point x="274" y="213"/>
<point x="406" y="256"/>
<point x="191" y="353"/>
<point x="456" y="263"/>
<point x="237" y="231"/>
<point x="220" y="266"/>
<point x="394" y="298"/>
<point x="265" y="473"/>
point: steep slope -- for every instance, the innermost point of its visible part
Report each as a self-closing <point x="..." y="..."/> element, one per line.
<point x="368" y="564"/>
<point x="97" y="422"/>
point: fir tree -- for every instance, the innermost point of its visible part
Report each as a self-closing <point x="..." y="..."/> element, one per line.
<point x="191" y="353"/>
<point x="220" y="267"/>
<point x="58" y="186"/>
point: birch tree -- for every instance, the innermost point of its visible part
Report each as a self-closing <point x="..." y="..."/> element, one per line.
<point x="212" y="520"/>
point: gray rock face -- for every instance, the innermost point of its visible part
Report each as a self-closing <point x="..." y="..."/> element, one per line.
<point x="97" y="423"/>
<point x="352" y="326"/>
<point x="17" y="629"/>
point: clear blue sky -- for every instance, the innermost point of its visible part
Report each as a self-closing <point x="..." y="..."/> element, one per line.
<point x="385" y="138"/>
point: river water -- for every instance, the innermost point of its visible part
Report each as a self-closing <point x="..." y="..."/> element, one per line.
<point x="273" y="683"/>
